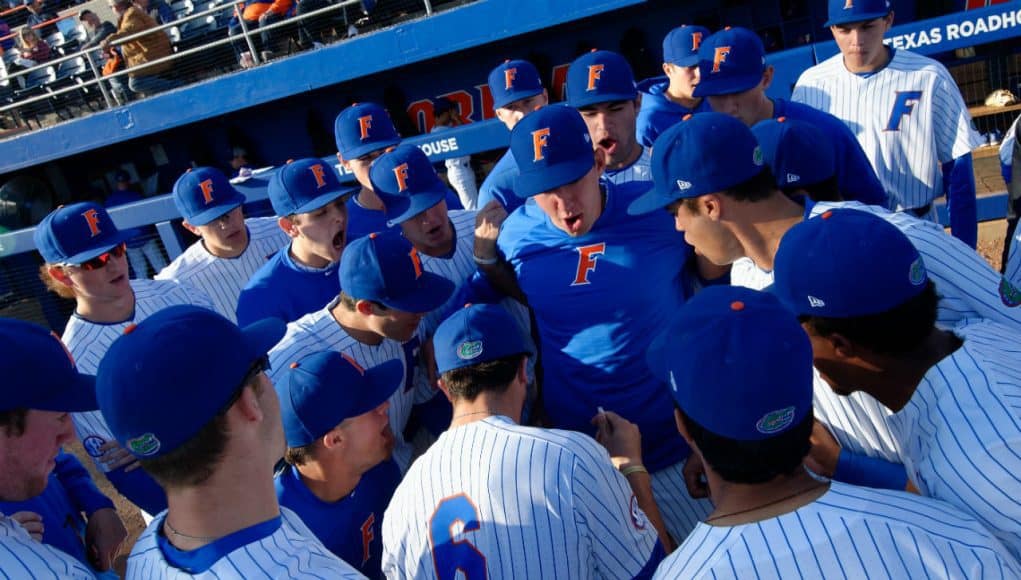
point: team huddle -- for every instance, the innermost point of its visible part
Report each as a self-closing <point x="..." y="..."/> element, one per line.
<point x="692" y="331"/>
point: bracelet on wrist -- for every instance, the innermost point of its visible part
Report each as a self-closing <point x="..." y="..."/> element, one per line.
<point x="485" y="261"/>
<point x="632" y="469"/>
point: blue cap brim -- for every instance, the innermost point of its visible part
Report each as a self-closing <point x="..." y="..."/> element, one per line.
<point x="595" y="99"/>
<point x="75" y="397"/>
<point x="516" y="96"/>
<point x="420" y="202"/>
<point x="365" y="149"/>
<point x="686" y="61"/>
<point x="649" y="202"/>
<point x="855" y="18"/>
<point x="727" y="86"/>
<point x="119" y="238"/>
<point x="204" y="217"/>
<point x="322" y="200"/>
<point x="529" y="184"/>
<point x="263" y="335"/>
<point x="386" y="379"/>
<point x="433" y="291"/>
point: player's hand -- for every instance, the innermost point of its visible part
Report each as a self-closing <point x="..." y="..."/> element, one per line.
<point x="822" y="458"/>
<point x="114" y="457"/>
<point x="104" y="536"/>
<point x="32" y="522"/>
<point x="487" y="228"/>
<point x="620" y="437"/>
<point x="694" y="476"/>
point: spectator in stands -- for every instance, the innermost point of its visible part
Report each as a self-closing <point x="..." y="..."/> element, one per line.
<point x="147" y="80"/>
<point x="158" y="10"/>
<point x="39" y="12"/>
<point x="97" y="29"/>
<point x="32" y="50"/>
<point x="239" y="161"/>
<point x="142" y="244"/>
<point x="260" y="13"/>
<point x="5" y="30"/>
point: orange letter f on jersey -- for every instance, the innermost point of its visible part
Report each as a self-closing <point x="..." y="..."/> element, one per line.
<point x="587" y="256"/>
<point x="367" y="536"/>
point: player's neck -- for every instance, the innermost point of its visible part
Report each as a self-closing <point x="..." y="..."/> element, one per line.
<point x="302" y="255"/>
<point x="369" y="200"/>
<point x="902" y="373"/>
<point x="882" y="59"/>
<point x="107" y="311"/>
<point x="738" y="503"/>
<point x="355" y="325"/>
<point x="633" y="155"/>
<point x="238" y="495"/>
<point x="766" y="222"/>
<point x="487" y="405"/>
<point x="329" y="482"/>
<point x="675" y="96"/>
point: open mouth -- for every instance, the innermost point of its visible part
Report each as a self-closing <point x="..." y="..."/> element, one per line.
<point x="338" y="240"/>
<point x="609" y="145"/>
<point x="573" y="222"/>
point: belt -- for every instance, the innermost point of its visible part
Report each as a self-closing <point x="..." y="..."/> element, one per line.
<point x="920" y="211"/>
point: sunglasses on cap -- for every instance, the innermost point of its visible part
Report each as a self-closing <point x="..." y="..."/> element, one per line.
<point x="99" y="261"/>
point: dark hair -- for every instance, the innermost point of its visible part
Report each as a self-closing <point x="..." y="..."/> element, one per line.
<point x="13" y="422"/>
<point x="825" y="190"/>
<point x="758" y="188"/>
<point x="492" y="376"/>
<point x="84" y="13"/>
<point x="351" y="303"/>
<point x="300" y="455"/>
<point x="896" y="331"/>
<point x="752" y="462"/>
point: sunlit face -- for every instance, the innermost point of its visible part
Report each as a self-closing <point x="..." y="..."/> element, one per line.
<point x="368" y="438"/>
<point x="682" y="79"/>
<point x="575" y="207"/>
<point x="430" y="231"/>
<point x="704" y="232"/>
<point x="833" y="369"/>
<point x="395" y="324"/>
<point x="360" y="167"/>
<point x="322" y="233"/>
<point x="612" y="128"/>
<point x="513" y="112"/>
<point x="226" y="236"/>
<point x="861" y="43"/>
<point x="102" y="285"/>
<point x="26" y="460"/>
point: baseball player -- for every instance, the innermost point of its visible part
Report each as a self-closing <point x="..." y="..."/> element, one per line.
<point x="734" y="76"/>
<point x="771" y="518"/>
<point x="447" y="115"/>
<point x="386" y="292"/>
<point x="667" y="99"/>
<point x="729" y="208"/>
<point x="339" y="478"/>
<point x="230" y="248"/>
<point x="1010" y="286"/>
<point x="601" y="86"/>
<point x="905" y="110"/>
<point x="801" y="158"/>
<point x="185" y="391"/>
<point x="576" y="254"/>
<point x="950" y="394"/>
<point x="302" y="276"/>
<point x="517" y="90"/>
<point x="363" y="132"/>
<point x="41" y="386"/>
<point x="494" y="499"/>
<point x="85" y="260"/>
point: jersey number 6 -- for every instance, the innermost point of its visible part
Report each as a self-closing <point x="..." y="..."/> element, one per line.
<point x="450" y="555"/>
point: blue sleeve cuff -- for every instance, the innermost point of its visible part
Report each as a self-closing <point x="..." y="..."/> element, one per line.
<point x="658" y="553"/>
<point x="959" y="182"/>
<point x="870" y="471"/>
<point x="79" y="485"/>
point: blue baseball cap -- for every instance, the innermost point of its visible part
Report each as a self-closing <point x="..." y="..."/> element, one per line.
<point x="166" y="378"/>
<point x="730" y="61"/>
<point x="680" y="46"/>
<point x="514" y="80"/>
<point x="761" y="382"/>
<point x="363" y="128"/>
<point x="76" y="233"/>
<point x="406" y="182"/>
<point x="704" y="153"/>
<point x="39" y="372"/>
<point x="202" y="195"/>
<point x="846" y="263"/>
<point x="324" y="389"/>
<point x="798" y="153"/>
<point x="552" y="147"/>
<point x="476" y="334"/>
<point x="846" y="11"/>
<point x="600" y="76"/>
<point x="304" y="185"/>
<point x="386" y="268"/>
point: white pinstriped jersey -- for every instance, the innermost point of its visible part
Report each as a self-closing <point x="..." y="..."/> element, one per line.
<point x="458" y="268"/>
<point x="22" y="558"/>
<point x="319" y="331"/>
<point x="849" y="532"/>
<point x="496" y="499"/>
<point x="223" y="278"/>
<point x="1010" y="286"/>
<point x="640" y="170"/>
<point x="89" y="341"/>
<point x="961" y="430"/>
<point x="909" y="117"/>
<point x="292" y="551"/>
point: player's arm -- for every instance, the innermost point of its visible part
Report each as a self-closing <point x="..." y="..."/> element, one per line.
<point x="104" y="532"/>
<point x="955" y="139"/>
<point x="959" y="185"/>
<point x="828" y="459"/>
<point x="497" y="269"/>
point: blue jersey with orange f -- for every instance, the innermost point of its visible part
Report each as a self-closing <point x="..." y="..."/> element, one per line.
<point x="598" y="299"/>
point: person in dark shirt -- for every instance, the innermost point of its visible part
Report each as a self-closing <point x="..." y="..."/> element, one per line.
<point x="97" y="29"/>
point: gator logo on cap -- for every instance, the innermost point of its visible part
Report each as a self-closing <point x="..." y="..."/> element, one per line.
<point x="1010" y="295"/>
<point x="775" y="421"/>
<point x="145" y="445"/>
<point x="757" y="157"/>
<point x="469" y="349"/>
<point x="917" y="272"/>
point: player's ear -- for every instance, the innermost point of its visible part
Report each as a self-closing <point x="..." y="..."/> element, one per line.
<point x="523" y="370"/>
<point x="767" y="77"/>
<point x="60" y="275"/>
<point x="333" y="438"/>
<point x="545" y="97"/>
<point x="365" y="307"/>
<point x="842" y="347"/>
<point x="287" y="224"/>
<point x="711" y="205"/>
<point x="666" y="68"/>
<point x="194" y="230"/>
<point x="443" y="387"/>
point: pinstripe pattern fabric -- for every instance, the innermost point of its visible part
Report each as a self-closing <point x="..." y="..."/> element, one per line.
<point x="458" y="268"/>
<point x="681" y="513"/>
<point x="907" y="142"/>
<point x="640" y="170"/>
<point x="223" y="278"/>
<point x="850" y="532"/>
<point x="319" y="331"/>
<point x="548" y="504"/>
<point x="22" y="558"/>
<point x="290" y="552"/>
<point x="1010" y="293"/>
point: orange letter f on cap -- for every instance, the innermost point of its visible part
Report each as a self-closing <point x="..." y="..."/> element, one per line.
<point x="508" y="78"/>
<point x="207" y="191"/>
<point x="720" y="57"/>
<point x="540" y="138"/>
<point x="317" y="172"/>
<point x="92" y="218"/>
<point x="595" y="72"/>
<point x="364" y="124"/>
<point x="401" y="174"/>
